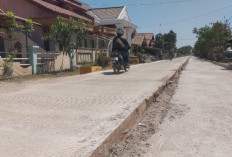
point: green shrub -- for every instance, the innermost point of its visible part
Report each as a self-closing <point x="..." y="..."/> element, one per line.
<point x="7" y="65"/>
<point x="87" y="64"/>
<point x="216" y="54"/>
<point x="102" y="60"/>
<point x="142" y="57"/>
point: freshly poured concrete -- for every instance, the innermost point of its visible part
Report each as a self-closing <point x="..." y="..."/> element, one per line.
<point x="71" y="116"/>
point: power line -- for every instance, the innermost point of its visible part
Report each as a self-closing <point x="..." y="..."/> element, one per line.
<point x="186" y="39"/>
<point x="229" y="18"/>
<point x="188" y="19"/>
<point x="145" y="4"/>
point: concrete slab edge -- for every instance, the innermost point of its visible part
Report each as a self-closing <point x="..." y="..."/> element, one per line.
<point x="127" y="125"/>
<point x="229" y="67"/>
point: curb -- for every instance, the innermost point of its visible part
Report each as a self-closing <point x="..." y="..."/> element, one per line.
<point x="127" y="125"/>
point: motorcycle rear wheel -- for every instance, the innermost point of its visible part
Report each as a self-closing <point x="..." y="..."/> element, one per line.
<point x="115" y="68"/>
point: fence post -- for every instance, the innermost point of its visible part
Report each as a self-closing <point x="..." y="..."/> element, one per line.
<point x="74" y="60"/>
<point x="33" y="58"/>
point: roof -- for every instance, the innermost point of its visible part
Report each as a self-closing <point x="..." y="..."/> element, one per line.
<point x="2" y="18"/>
<point x="148" y="37"/>
<point x="138" y="39"/>
<point x="58" y="10"/>
<point x="74" y="4"/>
<point x="85" y="6"/>
<point x="107" y="13"/>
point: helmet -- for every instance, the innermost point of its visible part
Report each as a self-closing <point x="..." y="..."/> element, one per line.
<point x="120" y="32"/>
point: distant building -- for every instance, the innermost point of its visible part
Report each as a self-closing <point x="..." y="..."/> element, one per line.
<point x="143" y="39"/>
<point x="139" y="40"/>
<point x="114" y="17"/>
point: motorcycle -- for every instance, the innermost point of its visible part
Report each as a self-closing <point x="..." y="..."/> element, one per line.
<point x="118" y="62"/>
<point x="171" y="56"/>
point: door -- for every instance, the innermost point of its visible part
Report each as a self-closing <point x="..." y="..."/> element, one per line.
<point x="2" y="48"/>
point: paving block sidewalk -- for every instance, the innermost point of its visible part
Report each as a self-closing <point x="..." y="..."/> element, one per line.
<point x="71" y="116"/>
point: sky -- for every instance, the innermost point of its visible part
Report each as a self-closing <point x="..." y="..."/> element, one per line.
<point x="181" y="16"/>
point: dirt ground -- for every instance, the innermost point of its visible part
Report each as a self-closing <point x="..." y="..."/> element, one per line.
<point x="135" y="144"/>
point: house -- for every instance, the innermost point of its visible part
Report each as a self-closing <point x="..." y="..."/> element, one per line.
<point x="149" y="39"/>
<point x="143" y="39"/>
<point x="17" y="39"/>
<point x="106" y="21"/>
<point x="139" y="40"/>
<point x="114" y="17"/>
<point x="44" y="12"/>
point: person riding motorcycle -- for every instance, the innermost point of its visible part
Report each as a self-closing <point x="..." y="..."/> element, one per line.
<point x="121" y="45"/>
<point x="171" y="54"/>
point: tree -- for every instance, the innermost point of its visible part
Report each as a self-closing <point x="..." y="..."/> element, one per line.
<point x="80" y="29"/>
<point x="27" y="28"/>
<point x="62" y="33"/>
<point x="159" y="41"/>
<point x="166" y="41"/>
<point x="11" y="25"/>
<point x="185" y="50"/>
<point x="170" y="40"/>
<point x="211" y="40"/>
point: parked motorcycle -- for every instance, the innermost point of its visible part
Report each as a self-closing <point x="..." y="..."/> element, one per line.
<point x="118" y="62"/>
<point x="171" y="56"/>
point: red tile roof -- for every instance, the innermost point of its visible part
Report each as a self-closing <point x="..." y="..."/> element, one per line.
<point x="148" y="37"/>
<point x="75" y="5"/>
<point x="138" y="40"/>
<point x="58" y="10"/>
<point x="76" y="2"/>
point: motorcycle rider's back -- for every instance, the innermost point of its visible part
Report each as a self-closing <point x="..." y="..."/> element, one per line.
<point x="121" y="45"/>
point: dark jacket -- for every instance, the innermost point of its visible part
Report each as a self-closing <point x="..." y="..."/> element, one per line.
<point x="120" y="44"/>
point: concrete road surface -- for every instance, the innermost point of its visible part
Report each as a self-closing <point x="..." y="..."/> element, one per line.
<point x="71" y="116"/>
<point x="199" y="123"/>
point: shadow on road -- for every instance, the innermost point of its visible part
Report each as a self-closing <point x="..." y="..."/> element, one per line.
<point x="111" y="73"/>
<point x="229" y="68"/>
